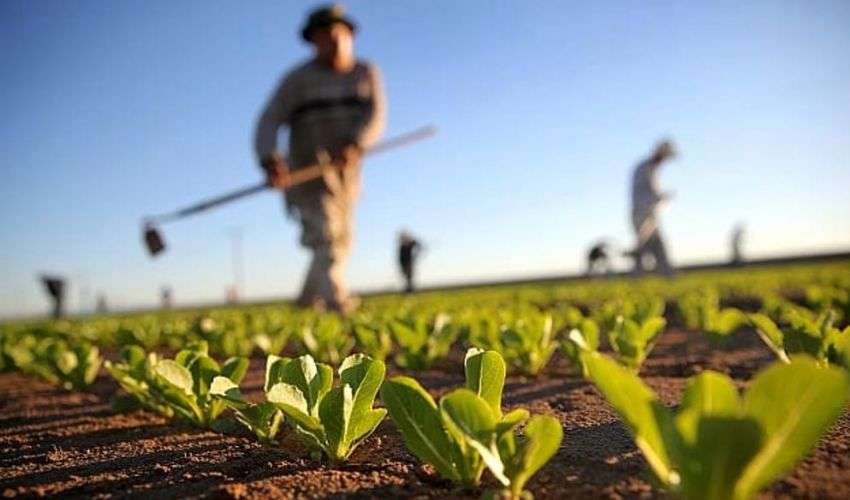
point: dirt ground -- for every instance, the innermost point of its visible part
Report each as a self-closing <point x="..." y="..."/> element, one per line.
<point x="56" y="443"/>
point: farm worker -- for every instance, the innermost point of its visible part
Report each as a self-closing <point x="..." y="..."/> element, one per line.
<point x="736" y="243"/>
<point x="333" y="105"/>
<point x="55" y="288"/>
<point x="646" y="198"/>
<point x="408" y="251"/>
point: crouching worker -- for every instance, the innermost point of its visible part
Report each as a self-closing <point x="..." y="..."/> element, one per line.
<point x="333" y="105"/>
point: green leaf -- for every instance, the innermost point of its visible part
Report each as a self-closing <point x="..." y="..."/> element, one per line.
<point x="364" y="375"/>
<point x="713" y="460"/>
<point x="770" y="334"/>
<point x="648" y="420"/>
<point x="794" y="404"/>
<point x="176" y="375"/>
<point x="289" y="395"/>
<point x="418" y="420"/>
<point x="235" y="368"/>
<point x="485" y="376"/>
<point x="469" y="419"/>
<point x="707" y="394"/>
<point x="274" y="370"/>
<point x="543" y="436"/>
<point x="224" y="388"/>
<point x="335" y="416"/>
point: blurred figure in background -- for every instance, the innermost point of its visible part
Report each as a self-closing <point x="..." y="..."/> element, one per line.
<point x="408" y="251"/>
<point x="736" y="241"/>
<point x="55" y="288"/>
<point x="166" y="297"/>
<point x="646" y="198"/>
<point x="333" y="105"/>
<point x="598" y="260"/>
<point x="102" y="305"/>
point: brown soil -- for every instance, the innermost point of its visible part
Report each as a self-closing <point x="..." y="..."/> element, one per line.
<point x="56" y="443"/>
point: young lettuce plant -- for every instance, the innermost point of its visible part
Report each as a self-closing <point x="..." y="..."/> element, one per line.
<point x="331" y="421"/>
<point x="583" y="336"/>
<point x="181" y="384"/>
<point x="263" y="419"/>
<point x="325" y="339"/>
<point x="134" y="373"/>
<point x="422" y="342"/>
<point x="372" y="338"/>
<point x="468" y="431"/>
<point x="803" y="335"/>
<point x="75" y="367"/>
<point x="633" y="341"/>
<point x="525" y="339"/>
<point x="702" y="311"/>
<point x="719" y="445"/>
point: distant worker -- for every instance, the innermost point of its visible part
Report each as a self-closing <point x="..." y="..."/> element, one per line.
<point x="55" y="288"/>
<point x="736" y="243"/>
<point x="166" y="297"/>
<point x="646" y="198"/>
<point x="102" y="306"/>
<point x="333" y="105"/>
<point x="598" y="260"/>
<point x="408" y="251"/>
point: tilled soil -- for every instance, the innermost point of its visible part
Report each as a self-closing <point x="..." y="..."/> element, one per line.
<point x="56" y="443"/>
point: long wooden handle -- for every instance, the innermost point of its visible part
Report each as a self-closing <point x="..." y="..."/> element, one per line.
<point x="299" y="176"/>
<point x="307" y="174"/>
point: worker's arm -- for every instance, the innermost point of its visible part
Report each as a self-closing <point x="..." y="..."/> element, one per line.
<point x="373" y="123"/>
<point x="274" y="115"/>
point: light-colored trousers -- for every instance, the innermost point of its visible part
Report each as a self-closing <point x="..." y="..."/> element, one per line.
<point x="650" y="242"/>
<point x="327" y="217"/>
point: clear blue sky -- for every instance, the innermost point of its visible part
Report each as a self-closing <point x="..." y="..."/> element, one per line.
<point x="113" y="110"/>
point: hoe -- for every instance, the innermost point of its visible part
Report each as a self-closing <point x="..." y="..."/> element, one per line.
<point x="155" y="244"/>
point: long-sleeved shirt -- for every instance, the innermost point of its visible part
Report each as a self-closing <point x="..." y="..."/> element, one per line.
<point x="324" y="110"/>
<point x="646" y="195"/>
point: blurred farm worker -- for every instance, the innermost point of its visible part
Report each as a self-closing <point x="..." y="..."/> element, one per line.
<point x="598" y="260"/>
<point x="55" y="288"/>
<point x="333" y="106"/>
<point x="736" y="242"/>
<point x="646" y="199"/>
<point x="408" y="251"/>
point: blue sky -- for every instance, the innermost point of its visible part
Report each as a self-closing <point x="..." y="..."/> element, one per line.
<point x="114" y="110"/>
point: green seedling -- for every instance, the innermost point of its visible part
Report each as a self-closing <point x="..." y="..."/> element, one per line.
<point x="421" y="341"/>
<point x="182" y="385"/>
<point x="817" y="337"/>
<point x="468" y="432"/>
<point x="719" y="445"/>
<point x="633" y="341"/>
<point x="263" y="419"/>
<point x="332" y="421"/>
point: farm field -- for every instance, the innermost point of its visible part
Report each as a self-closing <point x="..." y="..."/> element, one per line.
<point x="87" y="439"/>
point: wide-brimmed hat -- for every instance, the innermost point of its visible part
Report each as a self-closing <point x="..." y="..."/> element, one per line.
<point x="326" y="16"/>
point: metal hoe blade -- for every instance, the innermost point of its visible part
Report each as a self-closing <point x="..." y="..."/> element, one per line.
<point x="153" y="240"/>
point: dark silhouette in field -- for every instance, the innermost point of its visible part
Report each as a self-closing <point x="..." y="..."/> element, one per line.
<point x="599" y="259"/>
<point x="408" y="252"/>
<point x="736" y="242"/>
<point x="333" y="105"/>
<point x="55" y="288"/>
<point x="646" y="200"/>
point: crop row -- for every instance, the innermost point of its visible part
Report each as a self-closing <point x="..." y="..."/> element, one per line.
<point x="716" y="445"/>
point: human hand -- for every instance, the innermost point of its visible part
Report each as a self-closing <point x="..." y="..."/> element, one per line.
<point x="347" y="156"/>
<point x="277" y="172"/>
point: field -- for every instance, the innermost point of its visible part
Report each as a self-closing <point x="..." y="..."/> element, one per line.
<point x="65" y="434"/>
